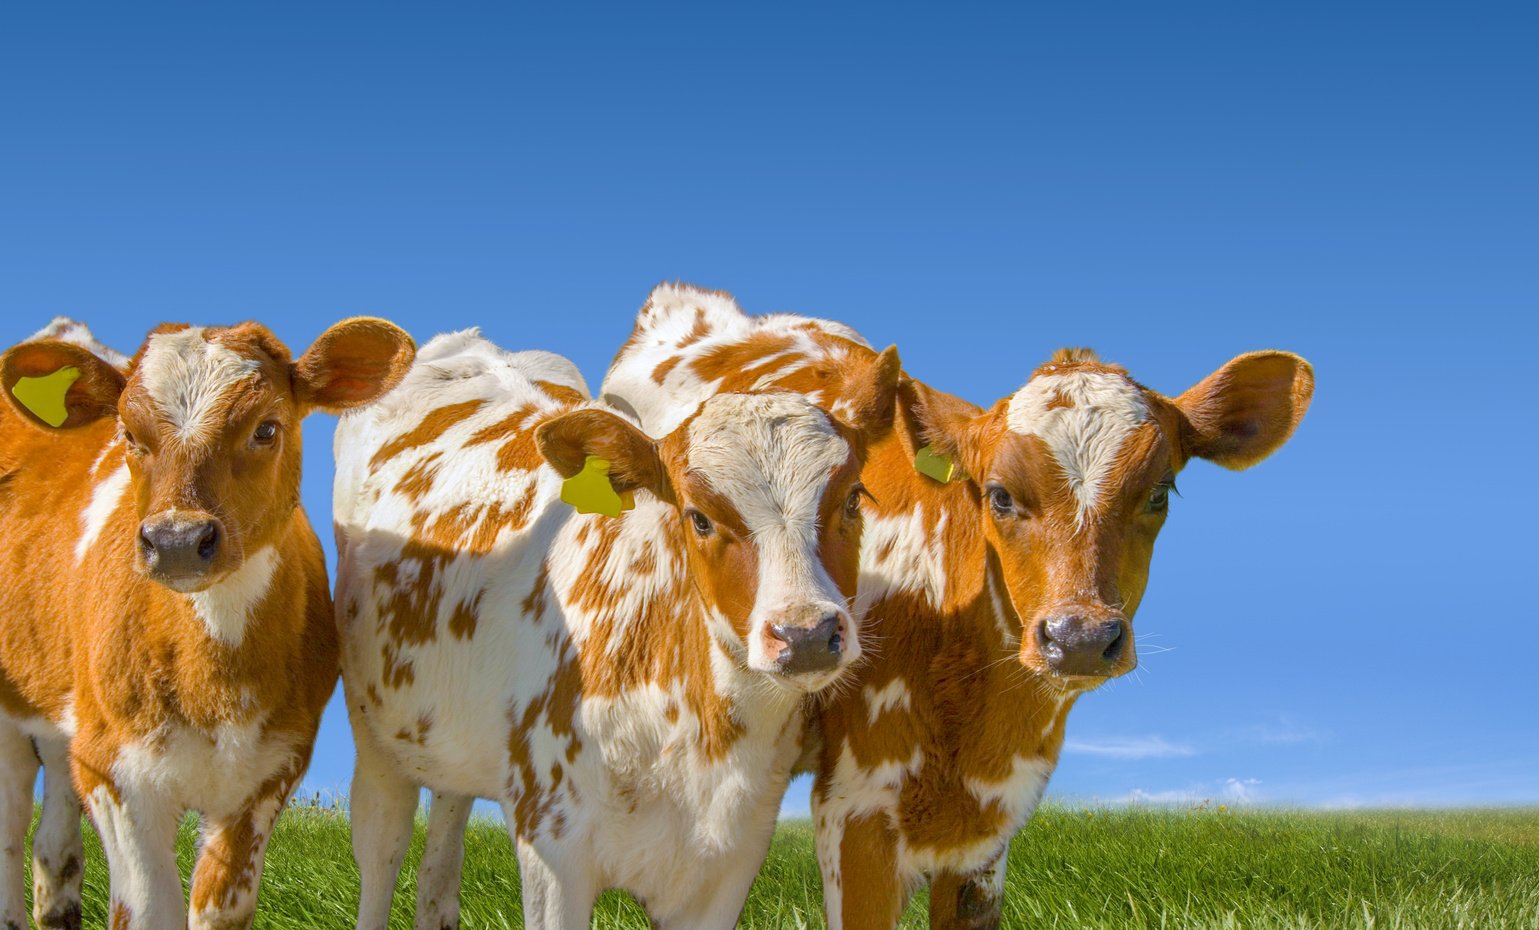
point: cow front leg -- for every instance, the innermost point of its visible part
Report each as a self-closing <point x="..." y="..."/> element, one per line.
<point x="438" y="876"/>
<point x="383" y="805"/>
<point x="557" y="895"/>
<point x="970" y="901"/>
<point x="137" y="826"/>
<point x="858" y="857"/>
<point x="229" y="870"/>
<point x="18" y="771"/>
<point x="58" y="855"/>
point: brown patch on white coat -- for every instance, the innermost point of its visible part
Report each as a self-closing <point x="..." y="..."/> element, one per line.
<point x="627" y="687"/>
<point x="995" y="600"/>
<point x="168" y="636"/>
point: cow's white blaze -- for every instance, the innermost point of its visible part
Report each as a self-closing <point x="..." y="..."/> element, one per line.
<point x="1084" y="417"/>
<point x="187" y="377"/>
<point x="771" y="457"/>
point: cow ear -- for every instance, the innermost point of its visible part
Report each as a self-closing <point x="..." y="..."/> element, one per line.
<point x="1246" y="410"/>
<point x="58" y="385"/>
<point x="942" y="424"/>
<point x="352" y="363"/>
<point x="568" y="440"/>
<point x="869" y="394"/>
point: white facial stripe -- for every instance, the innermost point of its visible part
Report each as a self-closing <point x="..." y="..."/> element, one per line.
<point x="771" y="456"/>
<point x="104" y="501"/>
<point x="1084" y="417"/>
<point x="186" y="376"/>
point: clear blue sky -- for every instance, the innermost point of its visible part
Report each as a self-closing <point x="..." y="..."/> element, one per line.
<point x="1349" y="623"/>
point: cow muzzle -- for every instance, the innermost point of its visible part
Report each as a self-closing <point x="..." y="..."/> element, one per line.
<point x="180" y="548"/>
<point x="1085" y="643"/>
<point x="809" y="641"/>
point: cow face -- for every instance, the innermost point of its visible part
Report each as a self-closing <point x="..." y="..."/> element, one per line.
<point x="211" y="422"/>
<point x="765" y="494"/>
<point x="1074" y="474"/>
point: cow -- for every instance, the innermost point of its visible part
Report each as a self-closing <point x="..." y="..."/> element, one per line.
<point x="168" y="641"/>
<point x="625" y="677"/>
<point x="1006" y="551"/>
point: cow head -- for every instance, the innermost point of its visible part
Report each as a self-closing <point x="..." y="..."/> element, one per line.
<point x="766" y="498"/>
<point x="1073" y="474"/>
<point x="211" y="420"/>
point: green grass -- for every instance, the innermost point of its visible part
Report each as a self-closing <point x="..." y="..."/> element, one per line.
<point x="1117" y="868"/>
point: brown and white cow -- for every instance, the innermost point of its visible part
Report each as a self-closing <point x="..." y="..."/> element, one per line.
<point x="993" y="600"/>
<point x="628" y="687"/>
<point x="168" y="635"/>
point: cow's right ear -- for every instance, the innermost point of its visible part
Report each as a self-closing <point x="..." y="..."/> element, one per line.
<point x="568" y="440"/>
<point x="945" y="424"/>
<point x="59" y="385"/>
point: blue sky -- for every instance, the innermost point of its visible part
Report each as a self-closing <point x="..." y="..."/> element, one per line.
<point x="1172" y="184"/>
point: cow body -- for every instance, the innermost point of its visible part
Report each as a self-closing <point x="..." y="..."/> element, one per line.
<point x="583" y="670"/>
<point x="162" y="692"/>
<point x="942" y="745"/>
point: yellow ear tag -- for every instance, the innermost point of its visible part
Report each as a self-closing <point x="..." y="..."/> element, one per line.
<point x="590" y="491"/>
<point x="932" y="464"/>
<point x="45" y="396"/>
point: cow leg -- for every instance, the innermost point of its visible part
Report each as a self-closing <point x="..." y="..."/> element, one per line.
<point x="58" y="856"/>
<point x="969" y="901"/>
<point x="555" y="897"/>
<point x="229" y="870"/>
<point x="18" y="772"/>
<point x="862" y="889"/>
<point x="438" y="877"/>
<point x="384" y="803"/>
<point x="138" y="832"/>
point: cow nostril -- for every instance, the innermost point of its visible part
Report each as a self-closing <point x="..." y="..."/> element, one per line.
<point x="208" y="542"/>
<point x="834" y="632"/>
<point x="1113" y="650"/>
<point x="146" y="544"/>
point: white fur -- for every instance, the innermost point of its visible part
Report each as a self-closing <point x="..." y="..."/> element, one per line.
<point x="187" y="377"/>
<point x="903" y="554"/>
<point x="1085" y="437"/>
<point x="668" y="319"/>
<point x="105" y="498"/>
<point x="879" y="701"/>
<point x="226" y="606"/>
<point x="640" y="805"/>
<point x="770" y="456"/>
<point x="64" y="329"/>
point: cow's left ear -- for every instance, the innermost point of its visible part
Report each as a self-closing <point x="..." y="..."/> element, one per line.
<point x="59" y="385"/>
<point x="1246" y="410"/>
<point x="569" y="440"/>
<point x="869" y="394"/>
<point x="352" y="363"/>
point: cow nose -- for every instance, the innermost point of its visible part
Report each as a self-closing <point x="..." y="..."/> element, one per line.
<point x="1077" y="645"/>
<point x="799" y="648"/>
<point x="178" y="548"/>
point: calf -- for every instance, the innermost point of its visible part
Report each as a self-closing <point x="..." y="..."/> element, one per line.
<point x="1000" y="587"/>
<point x="626" y="686"/>
<point x="168" y="635"/>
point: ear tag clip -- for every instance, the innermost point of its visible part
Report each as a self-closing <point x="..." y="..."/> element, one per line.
<point x="933" y="465"/>
<point x="590" y="490"/>
<point x="45" y="396"/>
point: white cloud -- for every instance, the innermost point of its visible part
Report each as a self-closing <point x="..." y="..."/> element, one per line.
<point x="1230" y="791"/>
<point x="1130" y="747"/>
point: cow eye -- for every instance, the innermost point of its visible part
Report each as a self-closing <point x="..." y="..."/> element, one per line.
<point x="1159" y="498"/>
<point x="700" y="522"/>
<point x="852" y="504"/>
<point x="133" y="444"/>
<point x="266" y="433"/>
<point x="1000" y="501"/>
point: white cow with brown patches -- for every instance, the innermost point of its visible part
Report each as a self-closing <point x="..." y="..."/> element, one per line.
<point x="994" y="599"/>
<point x="168" y="638"/>
<point x="628" y="688"/>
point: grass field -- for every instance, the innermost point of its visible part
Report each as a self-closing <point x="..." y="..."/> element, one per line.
<point x="1107" y="868"/>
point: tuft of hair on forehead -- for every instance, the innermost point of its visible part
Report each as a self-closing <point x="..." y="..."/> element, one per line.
<point x="188" y="372"/>
<point x="1077" y="358"/>
<point x="770" y="454"/>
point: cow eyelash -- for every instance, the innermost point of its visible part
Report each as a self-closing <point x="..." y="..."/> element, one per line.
<point x="852" y="503"/>
<point x="1159" y="498"/>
